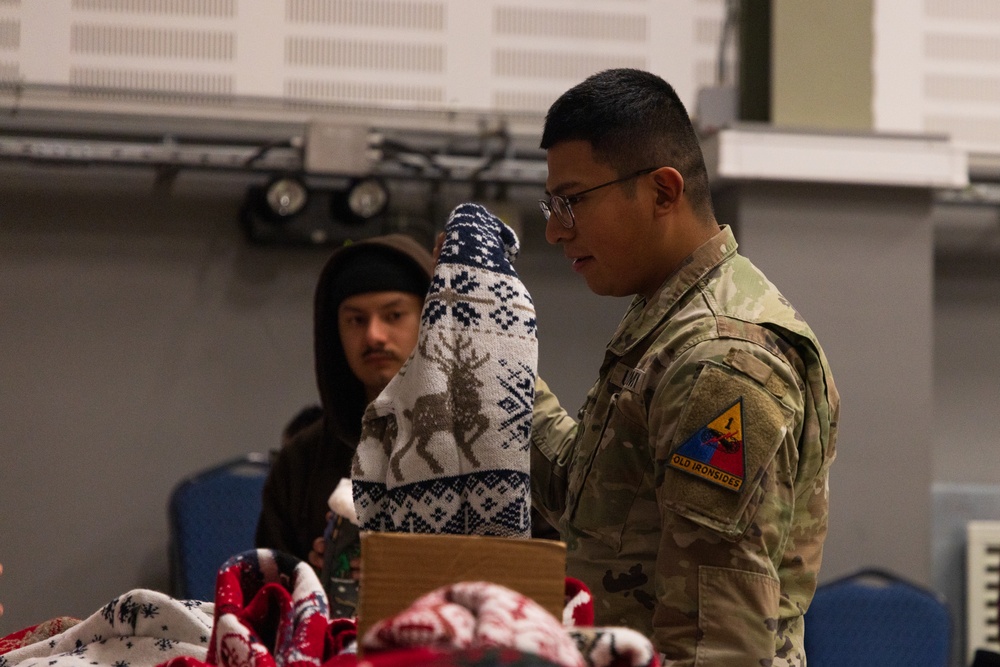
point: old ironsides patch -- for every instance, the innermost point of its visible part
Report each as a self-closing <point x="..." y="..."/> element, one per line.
<point x="715" y="451"/>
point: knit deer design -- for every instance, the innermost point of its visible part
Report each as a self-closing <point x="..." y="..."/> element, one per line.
<point x="456" y="410"/>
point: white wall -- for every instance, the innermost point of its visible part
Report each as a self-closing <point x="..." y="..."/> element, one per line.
<point x="936" y="68"/>
<point x="487" y="54"/>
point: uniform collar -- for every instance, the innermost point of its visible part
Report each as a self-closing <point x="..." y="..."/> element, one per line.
<point x="642" y="316"/>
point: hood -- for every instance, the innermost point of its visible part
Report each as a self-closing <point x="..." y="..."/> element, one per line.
<point x="341" y="394"/>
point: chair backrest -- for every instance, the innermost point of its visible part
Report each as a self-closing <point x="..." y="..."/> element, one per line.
<point x="213" y="516"/>
<point x="874" y="617"/>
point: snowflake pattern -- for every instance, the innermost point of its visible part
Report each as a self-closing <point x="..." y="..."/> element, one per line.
<point x="463" y="283"/>
<point x="496" y="500"/>
<point x="164" y="644"/>
<point x="467" y="300"/>
<point x="476" y="238"/>
<point x="518" y="402"/>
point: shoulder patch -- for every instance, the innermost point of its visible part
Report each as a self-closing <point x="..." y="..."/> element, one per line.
<point x="727" y="436"/>
<point x="715" y="451"/>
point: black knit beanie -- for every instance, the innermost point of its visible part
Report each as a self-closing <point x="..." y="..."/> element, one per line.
<point x="372" y="268"/>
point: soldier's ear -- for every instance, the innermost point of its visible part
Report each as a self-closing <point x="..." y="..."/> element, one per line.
<point x="669" y="187"/>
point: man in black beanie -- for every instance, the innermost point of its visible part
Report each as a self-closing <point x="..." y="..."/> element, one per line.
<point x="367" y="305"/>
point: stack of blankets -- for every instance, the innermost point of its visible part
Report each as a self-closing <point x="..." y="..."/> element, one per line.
<point x="270" y="609"/>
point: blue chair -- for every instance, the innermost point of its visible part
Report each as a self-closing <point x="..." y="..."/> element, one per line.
<point x="874" y="617"/>
<point x="213" y="515"/>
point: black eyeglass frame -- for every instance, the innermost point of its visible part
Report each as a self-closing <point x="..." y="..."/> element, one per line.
<point x="567" y="201"/>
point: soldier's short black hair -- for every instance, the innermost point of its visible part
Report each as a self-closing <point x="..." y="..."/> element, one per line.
<point x="633" y="120"/>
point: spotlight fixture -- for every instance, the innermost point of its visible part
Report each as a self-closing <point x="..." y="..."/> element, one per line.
<point x="364" y="199"/>
<point x="286" y="211"/>
<point x="286" y="196"/>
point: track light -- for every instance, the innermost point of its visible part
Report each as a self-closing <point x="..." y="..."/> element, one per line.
<point x="286" y="196"/>
<point x="364" y="199"/>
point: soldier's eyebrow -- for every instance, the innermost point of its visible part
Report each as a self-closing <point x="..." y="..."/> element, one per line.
<point x="563" y="187"/>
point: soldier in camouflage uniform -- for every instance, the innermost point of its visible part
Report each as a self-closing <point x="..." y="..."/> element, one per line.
<point x="693" y="491"/>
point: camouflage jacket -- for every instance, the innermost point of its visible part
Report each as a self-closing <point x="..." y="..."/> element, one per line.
<point x="693" y="492"/>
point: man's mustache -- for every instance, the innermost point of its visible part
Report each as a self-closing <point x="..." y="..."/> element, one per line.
<point x="380" y="351"/>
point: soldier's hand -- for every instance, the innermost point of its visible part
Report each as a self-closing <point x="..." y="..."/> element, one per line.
<point x="437" y="246"/>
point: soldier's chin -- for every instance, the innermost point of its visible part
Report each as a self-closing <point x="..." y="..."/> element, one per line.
<point x="599" y="288"/>
<point x="606" y="288"/>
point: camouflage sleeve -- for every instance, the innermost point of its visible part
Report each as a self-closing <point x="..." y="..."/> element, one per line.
<point x="725" y="425"/>
<point x="552" y="433"/>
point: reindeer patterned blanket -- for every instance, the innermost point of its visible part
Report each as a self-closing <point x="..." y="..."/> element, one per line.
<point x="444" y="448"/>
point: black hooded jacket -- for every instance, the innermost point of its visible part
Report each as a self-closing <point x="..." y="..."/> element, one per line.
<point x="307" y="469"/>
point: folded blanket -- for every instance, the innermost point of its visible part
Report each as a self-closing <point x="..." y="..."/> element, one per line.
<point x="36" y="633"/>
<point x="444" y="448"/>
<point x="141" y="628"/>
<point x="475" y="615"/>
<point x="480" y="616"/>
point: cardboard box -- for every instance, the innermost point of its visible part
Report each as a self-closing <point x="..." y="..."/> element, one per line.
<point x="397" y="568"/>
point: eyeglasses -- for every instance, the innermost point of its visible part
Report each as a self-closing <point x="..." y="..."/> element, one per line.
<point x="562" y="205"/>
